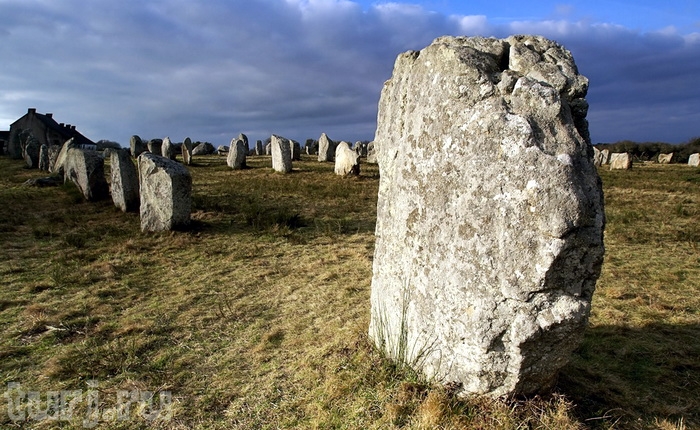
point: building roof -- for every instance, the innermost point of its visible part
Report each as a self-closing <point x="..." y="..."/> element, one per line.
<point x="66" y="131"/>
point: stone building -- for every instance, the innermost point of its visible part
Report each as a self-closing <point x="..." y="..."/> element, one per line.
<point x="46" y="130"/>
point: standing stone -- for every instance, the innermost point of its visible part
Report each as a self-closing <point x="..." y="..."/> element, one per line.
<point x="167" y="149"/>
<point x="44" y="158"/>
<point x="205" y="148"/>
<point x="259" y="149"/>
<point x="295" y="148"/>
<point x="125" y="181"/>
<point x="371" y="153"/>
<point x="59" y="164"/>
<point x="187" y="151"/>
<point x="281" y="154"/>
<point x="326" y="148"/>
<point x="598" y="157"/>
<point x="268" y="149"/>
<point x="237" y="152"/>
<point x="620" y="161"/>
<point x="137" y="146"/>
<point x="222" y="150"/>
<point x="86" y="170"/>
<point x="165" y="193"/>
<point x="31" y="152"/>
<point x="347" y="161"/>
<point x="665" y="158"/>
<point x="488" y="246"/>
<point x="694" y="160"/>
<point x="154" y="146"/>
<point x="53" y="151"/>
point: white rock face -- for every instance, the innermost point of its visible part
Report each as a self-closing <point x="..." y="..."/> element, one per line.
<point x="489" y="236"/>
<point x="237" y="152"/>
<point x="165" y="193"/>
<point x="86" y="170"/>
<point x="125" y="181"/>
<point x="326" y="148"/>
<point x="347" y="161"/>
<point x="694" y="160"/>
<point x="281" y="154"/>
<point x="620" y="161"/>
<point x="371" y="153"/>
<point x="600" y="157"/>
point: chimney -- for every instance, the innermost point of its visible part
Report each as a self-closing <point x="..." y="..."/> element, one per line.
<point x="72" y="127"/>
<point x="62" y="124"/>
<point x="49" y="115"/>
<point x="67" y="125"/>
<point x="31" y="110"/>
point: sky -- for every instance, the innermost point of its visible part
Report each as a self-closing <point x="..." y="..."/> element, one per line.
<point x="211" y="69"/>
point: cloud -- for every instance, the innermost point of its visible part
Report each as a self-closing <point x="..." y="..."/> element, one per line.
<point x="212" y="69"/>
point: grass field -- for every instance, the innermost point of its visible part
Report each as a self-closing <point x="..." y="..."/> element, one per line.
<point x="256" y="317"/>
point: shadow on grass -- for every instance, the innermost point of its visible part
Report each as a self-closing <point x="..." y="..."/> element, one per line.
<point x="634" y="377"/>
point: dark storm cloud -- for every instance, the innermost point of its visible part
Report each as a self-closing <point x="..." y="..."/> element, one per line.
<point x="213" y="69"/>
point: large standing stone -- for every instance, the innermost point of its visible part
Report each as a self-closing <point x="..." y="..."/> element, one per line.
<point x="31" y="152"/>
<point x="187" y="151"/>
<point x="44" y="157"/>
<point x="281" y="154"/>
<point x="165" y="193"/>
<point x="86" y="170"/>
<point x="489" y="236"/>
<point x="205" y="148"/>
<point x="326" y="148"/>
<point x="137" y="146"/>
<point x="371" y="153"/>
<point x="237" y="152"/>
<point x="259" y="149"/>
<point x="59" y="164"/>
<point x="154" y="146"/>
<point x="620" y="161"/>
<point x="665" y="158"/>
<point x="125" y="181"/>
<point x="347" y="161"/>
<point x="167" y="149"/>
<point x="694" y="160"/>
<point x="295" y="148"/>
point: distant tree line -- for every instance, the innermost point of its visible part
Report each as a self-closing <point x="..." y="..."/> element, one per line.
<point x="649" y="151"/>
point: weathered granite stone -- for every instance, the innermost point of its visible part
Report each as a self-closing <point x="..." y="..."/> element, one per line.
<point x="665" y="158"/>
<point x="53" y="151"/>
<point x="165" y="193"/>
<point x="186" y="151"/>
<point x="167" y="149"/>
<point x="204" y="148"/>
<point x="620" y="161"/>
<point x="598" y="157"/>
<point x="222" y="150"/>
<point x="85" y="169"/>
<point x="31" y="151"/>
<point x="371" y="153"/>
<point x="137" y="146"/>
<point x="347" y="161"/>
<point x="154" y="146"/>
<point x="259" y="149"/>
<point x="694" y="160"/>
<point x="58" y="165"/>
<point x="281" y="154"/>
<point x="125" y="181"/>
<point x="295" y="148"/>
<point x="489" y="236"/>
<point x="44" y="157"/>
<point x="237" y="152"/>
<point x="268" y="149"/>
<point x="326" y="148"/>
